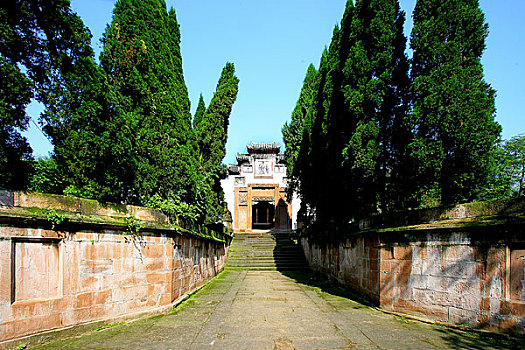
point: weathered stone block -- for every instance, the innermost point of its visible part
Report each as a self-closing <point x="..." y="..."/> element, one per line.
<point x="517" y="274"/>
<point x="459" y="316"/>
<point x="97" y="267"/>
<point x="7" y="198"/>
<point x="36" y="269"/>
<point x="404" y="267"/>
<point x="403" y="252"/>
<point x="158" y="277"/>
<point x="87" y="275"/>
<point x="458" y="252"/>
<point x="153" y="251"/>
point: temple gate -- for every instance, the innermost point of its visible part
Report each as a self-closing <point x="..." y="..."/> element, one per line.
<point x="255" y="190"/>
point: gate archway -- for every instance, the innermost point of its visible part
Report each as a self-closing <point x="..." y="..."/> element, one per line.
<point x="263" y="215"/>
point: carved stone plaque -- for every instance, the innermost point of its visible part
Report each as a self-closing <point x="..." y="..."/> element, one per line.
<point x="243" y="198"/>
<point x="247" y="169"/>
<point x="240" y="181"/>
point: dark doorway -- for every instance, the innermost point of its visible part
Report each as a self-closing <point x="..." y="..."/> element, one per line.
<point x="263" y="214"/>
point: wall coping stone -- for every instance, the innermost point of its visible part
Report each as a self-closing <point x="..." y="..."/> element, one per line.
<point x="35" y="208"/>
<point x="494" y="212"/>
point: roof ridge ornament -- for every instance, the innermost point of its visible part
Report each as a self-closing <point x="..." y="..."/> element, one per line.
<point x="261" y="146"/>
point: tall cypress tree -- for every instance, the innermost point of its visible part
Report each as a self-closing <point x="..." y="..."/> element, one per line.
<point x="356" y="127"/>
<point x="293" y="132"/>
<point x="211" y="133"/>
<point x="453" y="106"/>
<point x="199" y="112"/>
<point x="142" y="59"/>
<point x="212" y="129"/>
<point x="375" y="84"/>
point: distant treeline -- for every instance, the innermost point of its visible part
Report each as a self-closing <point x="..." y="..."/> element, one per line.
<point x="121" y="129"/>
<point x="374" y="131"/>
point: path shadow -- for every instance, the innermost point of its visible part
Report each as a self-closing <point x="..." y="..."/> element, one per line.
<point x="323" y="285"/>
<point x="287" y="254"/>
<point x="455" y="338"/>
<point x="472" y="339"/>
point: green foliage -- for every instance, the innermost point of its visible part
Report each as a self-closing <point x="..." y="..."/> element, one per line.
<point x="380" y="141"/>
<point x="507" y="170"/>
<point x="15" y="93"/>
<point x="212" y="128"/>
<point x="47" y="177"/>
<point x="293" y="132"/>
<point x="121" y="130"/>
<point x="453" y="107"/>
<point x="49" y="41"/>
<point x="133" y="226"/>
<point x="54" y="218"/>
<point x="179" y="212"/>
<point x="199" y="112"/>
<point x="354" y="128"/>
<point x="515" y="149"/>
<point x="211" y="131"/>
<point x="143" y="64"/>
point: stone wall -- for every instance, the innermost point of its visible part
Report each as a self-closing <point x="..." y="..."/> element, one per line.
<point x="469" y="272"/>
<point x="352" y="263"/>
<point x="68" y="261"/>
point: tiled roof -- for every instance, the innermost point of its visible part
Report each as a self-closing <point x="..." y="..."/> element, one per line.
<point x="233" y="169"/>
<point x="242" y="157"/>
<point x="256" y="146"/>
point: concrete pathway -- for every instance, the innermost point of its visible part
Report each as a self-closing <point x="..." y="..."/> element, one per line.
<point x="270" y="310"/>
<point x="253" y="306"/>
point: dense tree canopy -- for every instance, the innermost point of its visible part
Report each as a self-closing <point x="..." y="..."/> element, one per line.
<point x="48" y="41"/>
<point x="141" y="58"/>
<point x="121" y="129"/>
<point x="353" y="132"/>
<point x="378" y="140"/>
<point x="15" y="152"/>
<point x="453" y="106"/>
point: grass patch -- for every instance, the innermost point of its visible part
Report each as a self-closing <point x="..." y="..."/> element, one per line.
<point x="403" y="319"/>
<point x="156" y="317"/>
<point x="106" y="326"/>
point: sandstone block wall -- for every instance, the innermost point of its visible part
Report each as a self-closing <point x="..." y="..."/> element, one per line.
<point x="470" y="274"/>
<point x="352" y="263"/>
<point x="84" y="271"/>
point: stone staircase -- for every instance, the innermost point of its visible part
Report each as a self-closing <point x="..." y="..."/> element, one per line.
<point x="265" y="250"/>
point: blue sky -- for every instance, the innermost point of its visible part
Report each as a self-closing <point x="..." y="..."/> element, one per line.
<point x="272" y="42"/>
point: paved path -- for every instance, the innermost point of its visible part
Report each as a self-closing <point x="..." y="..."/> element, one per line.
<point x="264" y="309"/>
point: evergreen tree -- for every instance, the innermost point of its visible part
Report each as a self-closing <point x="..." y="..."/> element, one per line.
<point x="355" y="133"/>
<point x="293" y="132"/>
<point x="15" y="152"/>
<point x="48" y="40"/>
<point x="453" y="107"/>
<point x="199" y="112"/>
<point x="212" y="128"/>
<point x="142" y="59"/>
<point x="375" y="85"/>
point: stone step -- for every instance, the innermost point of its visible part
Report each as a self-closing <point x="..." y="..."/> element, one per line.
<point x="266" y="262"/>
<point x="269" y="255"/>
<point x="266" y="257"/>
<point x="265" y="251"/>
